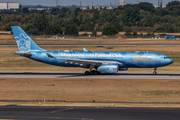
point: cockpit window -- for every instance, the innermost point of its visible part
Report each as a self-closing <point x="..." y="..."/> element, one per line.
<point x="166" y="57"/>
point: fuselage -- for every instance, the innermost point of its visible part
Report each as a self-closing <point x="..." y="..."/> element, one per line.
<point x="126" y="59"/>
<point x="102" y="62"/>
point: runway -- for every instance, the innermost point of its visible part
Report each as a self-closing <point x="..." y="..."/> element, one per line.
<point x="81" y="75"/>
<point x="98" y="45"/>
<point x="88" y="113"/>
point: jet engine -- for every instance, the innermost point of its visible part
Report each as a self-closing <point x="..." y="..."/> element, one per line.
<point x="108" y="68"/>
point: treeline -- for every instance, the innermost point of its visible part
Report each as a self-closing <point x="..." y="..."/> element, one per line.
<point x="142" y="17"/>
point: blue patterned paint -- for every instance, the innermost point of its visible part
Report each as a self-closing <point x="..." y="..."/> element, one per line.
<point x="126" y="59"/>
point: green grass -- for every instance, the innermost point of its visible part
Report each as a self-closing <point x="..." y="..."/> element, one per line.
<point x="4" y="34"/>
<point x="167" y="93"/>
<point x="50" y="85"/>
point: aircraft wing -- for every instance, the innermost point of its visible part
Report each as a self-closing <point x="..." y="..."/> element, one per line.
<point x="85" y="62"/>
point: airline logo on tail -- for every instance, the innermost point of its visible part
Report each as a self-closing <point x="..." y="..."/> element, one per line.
<point x="24" y="43"/>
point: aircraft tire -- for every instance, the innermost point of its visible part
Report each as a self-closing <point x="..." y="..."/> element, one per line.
<point x="154" y="73"/>
<point x="92" y="72"/>
<point x="96" y="72"/>
<point x="86" y="73"/>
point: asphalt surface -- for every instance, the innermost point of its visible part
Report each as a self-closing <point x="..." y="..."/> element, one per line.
<point x="88" y="113"/>
<point x="82" y="75"/>
<point x="98" y="45"/>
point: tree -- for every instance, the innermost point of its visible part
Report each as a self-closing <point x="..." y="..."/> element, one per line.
<point x="110" y="30"/>
<point x="176" y="12"/>
<point x="161" y="11"/>
<point x="96" y="14"/>
<point x="146" y="7"/>
<point x="76" y="21"/>
<point x="54" y="30"/>
<point x="87" y="19"/>
<point x="39" y="25"/>
<point x="128" y="31"/>
<point x="94" y="33"/>
<point x="82" y="27"/>
<point x="8" y="26"/>
<point x="107" y="16"/>
<point x="77" y="10"/>
<point x="80" y="18"/>
<point x="71" y="30"/>
<point x="127" y="6"/>
<point x="170" y="29"/>
<point x="55" y="11"/>
<point x="119" y="27"/>
<point x="134" y="33"/>
<point x="25" y="10"/>
<point x="131" y="15"/>
<point x="173" y="3"/>
<point x="148" y="34"/>
<point x="120" y="7"/>
<point x="160" y="29"/>
<point x="64" y="10"/>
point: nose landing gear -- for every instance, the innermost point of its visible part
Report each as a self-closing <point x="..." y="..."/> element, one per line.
<point x="155" y="73"/>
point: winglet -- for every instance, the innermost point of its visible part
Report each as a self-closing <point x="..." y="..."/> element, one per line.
<point x="85" y="50"/>
<point x="24" y="42"/>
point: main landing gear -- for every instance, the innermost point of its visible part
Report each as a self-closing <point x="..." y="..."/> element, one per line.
<point x="92" y="72"/>
<point x="155" y="73"/>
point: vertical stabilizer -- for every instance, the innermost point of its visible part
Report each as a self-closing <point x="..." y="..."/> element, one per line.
<point x="24" y="42"/>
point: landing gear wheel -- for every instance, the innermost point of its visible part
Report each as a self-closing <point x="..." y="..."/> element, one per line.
<point x="154" y="73"/>
<point x="86" y="73"/>
<point x="96" y="72"/>
<point x="92" y="72"/>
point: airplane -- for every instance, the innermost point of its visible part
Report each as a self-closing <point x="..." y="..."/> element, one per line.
<point x="96" y="62"/>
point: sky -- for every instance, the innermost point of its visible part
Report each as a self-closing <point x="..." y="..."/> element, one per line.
<point x="77" y="2"/>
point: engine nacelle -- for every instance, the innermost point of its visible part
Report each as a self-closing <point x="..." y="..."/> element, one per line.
<point x="123" y="69"/>
<point x="109" y="68"/>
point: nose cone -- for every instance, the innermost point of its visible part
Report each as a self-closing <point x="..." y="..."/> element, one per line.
<point x="171" y="61"/>
<point x="168" y="61"/>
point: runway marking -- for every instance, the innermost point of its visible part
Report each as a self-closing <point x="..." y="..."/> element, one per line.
<point x="62" y="110"/>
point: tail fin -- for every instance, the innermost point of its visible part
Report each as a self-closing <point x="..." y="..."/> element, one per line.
<point x="24" y="42"/>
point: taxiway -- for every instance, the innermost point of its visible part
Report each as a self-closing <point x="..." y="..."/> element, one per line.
<point x="88" y="113"/>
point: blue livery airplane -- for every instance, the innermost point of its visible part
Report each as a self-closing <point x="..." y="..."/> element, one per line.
<point x="96" y="62"/>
